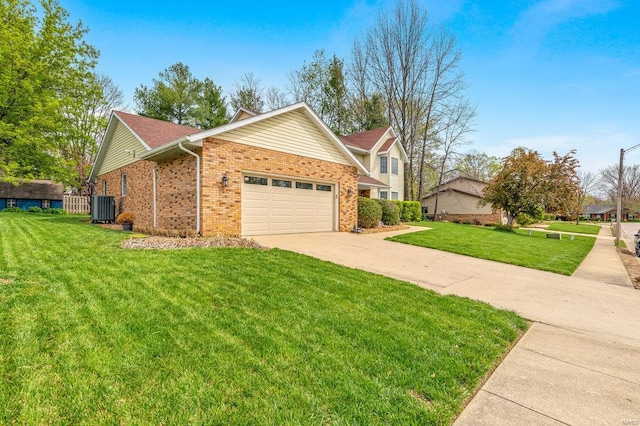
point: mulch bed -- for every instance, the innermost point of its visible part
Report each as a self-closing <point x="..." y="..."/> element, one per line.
<point x="631" y="264"/>
<point x="384" y="228"/>
<point x="171" y="243"/>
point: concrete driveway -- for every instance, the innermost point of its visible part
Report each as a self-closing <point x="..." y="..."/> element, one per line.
<point x="580" y="361"/>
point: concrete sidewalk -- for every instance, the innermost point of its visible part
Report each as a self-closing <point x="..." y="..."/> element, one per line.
<point x="578" y="364"/>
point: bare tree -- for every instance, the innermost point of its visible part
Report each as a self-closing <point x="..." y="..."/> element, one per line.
<point x="248" y="93"/>
<point x="458" y="118"/>
<point x="630" y="188"/>
<point x="417" y="69"/>
<point x="276" y="98"/>
<point x="587" y="183"/>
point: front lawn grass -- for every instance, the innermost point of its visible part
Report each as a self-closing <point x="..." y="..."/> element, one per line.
<point x="94" y="334"/>
<point x="572" y="227"/>
<point x="517" y="248"/>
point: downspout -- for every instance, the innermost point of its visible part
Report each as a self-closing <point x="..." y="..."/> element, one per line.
<point x="155" y="198"/>
<point x="197" y="184"/>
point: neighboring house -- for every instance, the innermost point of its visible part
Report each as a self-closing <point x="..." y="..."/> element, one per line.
<point x="606" y="213"/>
<point x="282" y="171"/>
<point x="36" y="193"/>
<point x="383" y="155"/>
<point x="459" y="199"/>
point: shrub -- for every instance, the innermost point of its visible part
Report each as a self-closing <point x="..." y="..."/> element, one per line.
<point x="34" y="209"/>
<point x="491" y="224"/>
<point x="13" y="210"/>
<point x="125" y="217"/>
<point x="466" y="222"/>
<point x="410" y="211"/>
<point x="507" y="228"/>
<point x="369" y="212"/>
<point x="549" y="217"/>
<point x="456" y="221"/>
<point x="390" y="212"/>
<point x="54" y="210"/>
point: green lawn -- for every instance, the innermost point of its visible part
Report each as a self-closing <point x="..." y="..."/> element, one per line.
<point x="91" y="333"/>
<point x="572" y="227"/>
<point x="516" y="248"/>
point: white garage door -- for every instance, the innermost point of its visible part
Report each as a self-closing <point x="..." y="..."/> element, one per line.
<point x="274" y="205"/>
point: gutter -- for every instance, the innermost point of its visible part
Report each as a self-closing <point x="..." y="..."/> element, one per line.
<point x="182" y="148"/>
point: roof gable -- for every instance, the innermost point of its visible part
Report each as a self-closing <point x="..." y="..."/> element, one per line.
<point x="294" y="129"/>
<point x="365" y="140"/>
<point x="152" y="132"/>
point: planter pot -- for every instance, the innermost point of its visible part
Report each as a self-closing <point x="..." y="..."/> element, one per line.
<point x="127" y="226"/>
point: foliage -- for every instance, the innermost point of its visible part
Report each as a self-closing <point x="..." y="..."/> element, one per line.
<point x="85" y="122"/>
<point x="527" y="182"/>
<point x="177" y="96"/>
<point x="13" y="210"/>
<point x="248" y="94"/>
<point x="390" y="212"/>
<point x="44" y="64"/>
<point x="369" y="212"/>
<point x="134" y="329"/>
<point x="34" y="209"/>
<point x="56" y="211"/>
<point x="321" y="84"/>
<point x="515" y="247"/>
<point x="526" y="219"/>
<point x="409" y="210"/>
<point x="477" y="165"/>
<point x="125" y="217"/>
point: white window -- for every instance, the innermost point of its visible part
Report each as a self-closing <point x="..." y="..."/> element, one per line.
<point x="383" y="165"/>
<point x="46" y="204"/>
<point x="124" y="185"/>
<point x="394" y="166"/>
<point x="394" y="195"/>
<point x="383" y="195"/>
<point x="11" y="202"/>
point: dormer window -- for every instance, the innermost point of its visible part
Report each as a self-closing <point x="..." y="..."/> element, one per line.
<point x="383" y="165"/>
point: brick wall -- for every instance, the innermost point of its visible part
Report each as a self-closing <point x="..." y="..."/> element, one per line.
<point x="495" y="217"/>
<point x="223" y="205"/>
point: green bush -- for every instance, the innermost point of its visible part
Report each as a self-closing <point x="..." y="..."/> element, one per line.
<point x="369" y="212"/>
<point x="456" y="221"/>
<point x="13" y="210"/>
<point x="410" y="211"/>
<point x="53" y="210"/>
<point x="507" y="228"/>
<point x="549" y="217"/>
<point x="34" y="209"/>
<point x="390" y="212"/>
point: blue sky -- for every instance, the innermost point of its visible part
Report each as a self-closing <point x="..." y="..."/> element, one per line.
<point x="548" y="75"/>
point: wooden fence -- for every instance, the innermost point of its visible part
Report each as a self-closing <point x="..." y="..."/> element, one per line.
<point x="76" y="204"/>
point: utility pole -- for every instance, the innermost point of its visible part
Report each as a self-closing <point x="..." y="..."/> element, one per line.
<point x="620" y="187"/>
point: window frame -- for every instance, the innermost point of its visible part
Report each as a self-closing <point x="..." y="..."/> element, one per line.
<point x="386" y="195"/>
<point x="45" y="204"/>
<point x="394" y="195"/>
<point x="394" y="166"/>
<point x="104" y="187"/>
<point x="123" y="180"/>
<point x="386" y="165"/>
<point x="11" y="202"/>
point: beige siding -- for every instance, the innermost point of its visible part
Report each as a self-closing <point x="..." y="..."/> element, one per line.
<point x="456" y="203"/>
<point x="116" y="156"/>
<point x="466" y="185"/>
<point x="396" y="181"/>
<point x="292" y="133"/>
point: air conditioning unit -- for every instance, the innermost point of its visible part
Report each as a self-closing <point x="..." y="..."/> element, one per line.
<point x="103" y="209"/>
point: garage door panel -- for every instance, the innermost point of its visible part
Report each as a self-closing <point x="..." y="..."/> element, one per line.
<point x="281" y="209"/>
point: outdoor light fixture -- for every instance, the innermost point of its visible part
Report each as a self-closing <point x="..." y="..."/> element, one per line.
<point x="349" y="192"/>
<point x="225" y="181"/>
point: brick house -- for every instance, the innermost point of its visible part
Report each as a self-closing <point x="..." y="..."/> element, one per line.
<point x="282" y="171"/>
<point x="459" y="199"/>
